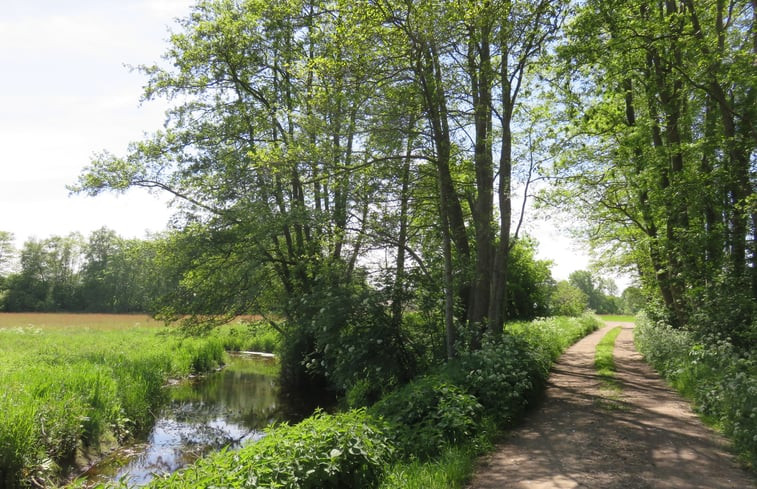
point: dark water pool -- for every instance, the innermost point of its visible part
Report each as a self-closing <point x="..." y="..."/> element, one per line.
<point x="227" y="408"/>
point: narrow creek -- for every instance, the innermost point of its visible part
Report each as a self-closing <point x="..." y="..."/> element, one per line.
<point x="226" y="408"/>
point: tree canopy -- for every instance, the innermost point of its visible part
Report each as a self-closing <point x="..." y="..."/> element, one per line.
<point x="361" y="157"/>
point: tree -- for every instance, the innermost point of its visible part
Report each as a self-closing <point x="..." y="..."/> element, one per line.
<point x="7" y="253"/>
<point x="530" y="283"/>
<point x="468" y="62"/>
<point x="48" y="277"/>
<point x="568" y="300"/>
<point x="662" y="127"/>
<point x="633" y="300"/>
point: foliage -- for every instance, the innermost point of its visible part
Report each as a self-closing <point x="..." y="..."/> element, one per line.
<point x="105" y="274"/>
<point x="339" y="451"/>
<point x="68" y="385"/>
<point x="430" y="414"/>
<point x="633" y="300"/>
<point x="551" y="336"/>
<point x="529" y="283"/>
<point x="249" y="335"/>
<point x="599" y="292"/>
<point x="7" y="253"/>
<point x="720" y="379"/>
<point x="568" y="300"/>
<point x="657" y="104"/>
<point x="346" y="338"/>
<point x="503" y="375"/>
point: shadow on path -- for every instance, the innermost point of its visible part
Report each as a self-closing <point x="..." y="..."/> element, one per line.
<point x="581" y="436"/>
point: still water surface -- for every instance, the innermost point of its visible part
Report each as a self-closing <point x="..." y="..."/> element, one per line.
<point x="227" y="408"/>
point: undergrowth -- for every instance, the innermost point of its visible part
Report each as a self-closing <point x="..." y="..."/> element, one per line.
<point x="718" y="378"/>
<point x="426" y="434"/>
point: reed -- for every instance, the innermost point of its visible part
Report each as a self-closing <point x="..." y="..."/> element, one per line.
<point x="66" y="386"/>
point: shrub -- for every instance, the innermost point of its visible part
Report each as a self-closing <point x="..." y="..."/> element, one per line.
<point x="428" y="414"/>
<point x="342" y="451"/>
<point x="502" y="375"/>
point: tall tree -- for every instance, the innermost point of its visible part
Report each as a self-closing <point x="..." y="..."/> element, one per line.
<point x="662" y="133"/>
<point x="468" y="62"/>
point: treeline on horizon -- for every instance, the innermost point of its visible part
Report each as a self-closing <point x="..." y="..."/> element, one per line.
<point x="106" y="273"/>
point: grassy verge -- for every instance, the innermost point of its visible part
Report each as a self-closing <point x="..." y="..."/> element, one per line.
<point x="719" y="380"/>
<point x="249" y="335"/>
<point x="452" y="468"/>
<point x="604" y="361"/>
<point x="72" y="381"/>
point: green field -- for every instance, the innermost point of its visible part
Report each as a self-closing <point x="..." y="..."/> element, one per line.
<point x="71" y="382"/>
<point x="616" y="317"/>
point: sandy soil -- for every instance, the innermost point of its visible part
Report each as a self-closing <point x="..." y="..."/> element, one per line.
<point x="583" y="436"/>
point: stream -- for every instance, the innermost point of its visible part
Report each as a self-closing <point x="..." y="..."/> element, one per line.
<point x="226" y="408"/>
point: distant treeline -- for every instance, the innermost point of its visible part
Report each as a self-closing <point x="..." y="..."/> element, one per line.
<point x="105" y="273"/>
<point x="110" y="274"/>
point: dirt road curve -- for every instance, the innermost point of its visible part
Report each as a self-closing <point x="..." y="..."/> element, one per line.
<point x="581" y="436"/>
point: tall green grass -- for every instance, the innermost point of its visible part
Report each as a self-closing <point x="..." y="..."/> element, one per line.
<point x="67" y="387"/>
<point x="249" y="335"/>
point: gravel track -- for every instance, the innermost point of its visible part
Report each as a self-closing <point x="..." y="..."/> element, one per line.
<point x="585" y="436"/>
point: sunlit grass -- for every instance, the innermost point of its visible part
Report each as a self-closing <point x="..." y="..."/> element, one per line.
<point x="604" y="361"/>
<point x="453" y="468"/>
<point x="617" y="318"/>
<point x="68" y="380"/>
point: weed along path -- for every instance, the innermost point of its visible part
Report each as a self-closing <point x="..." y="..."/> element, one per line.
<point x="584" y="435"/>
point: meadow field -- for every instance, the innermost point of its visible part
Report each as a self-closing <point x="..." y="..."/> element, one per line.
<point x="71" y="382"/>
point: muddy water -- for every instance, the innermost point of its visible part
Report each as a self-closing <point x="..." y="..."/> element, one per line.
<point x="226" y="408"/>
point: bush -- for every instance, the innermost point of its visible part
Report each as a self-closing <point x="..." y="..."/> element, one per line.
<point x="429" y="414"/>
<point x="502" y="375"/>
<point x="342" y="451"/>
<point x="720" y="380"/>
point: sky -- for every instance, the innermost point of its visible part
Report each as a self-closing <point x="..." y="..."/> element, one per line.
<point x="66" y="94"/>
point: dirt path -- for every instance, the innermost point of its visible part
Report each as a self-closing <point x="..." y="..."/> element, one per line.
<point x="643" y="437"/>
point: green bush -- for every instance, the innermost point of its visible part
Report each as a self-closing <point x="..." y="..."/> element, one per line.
<point x="720" y="379"/>
<point x="428" y="414"/>
<point x="342" y="451"/>
<point x="502" y="375"/>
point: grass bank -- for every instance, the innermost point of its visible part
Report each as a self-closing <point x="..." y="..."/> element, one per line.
<point x="604" y="361"/>
<point x="71" y="381"/>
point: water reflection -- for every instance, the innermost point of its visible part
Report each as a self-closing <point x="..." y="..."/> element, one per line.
<point x="227" y="408"/>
